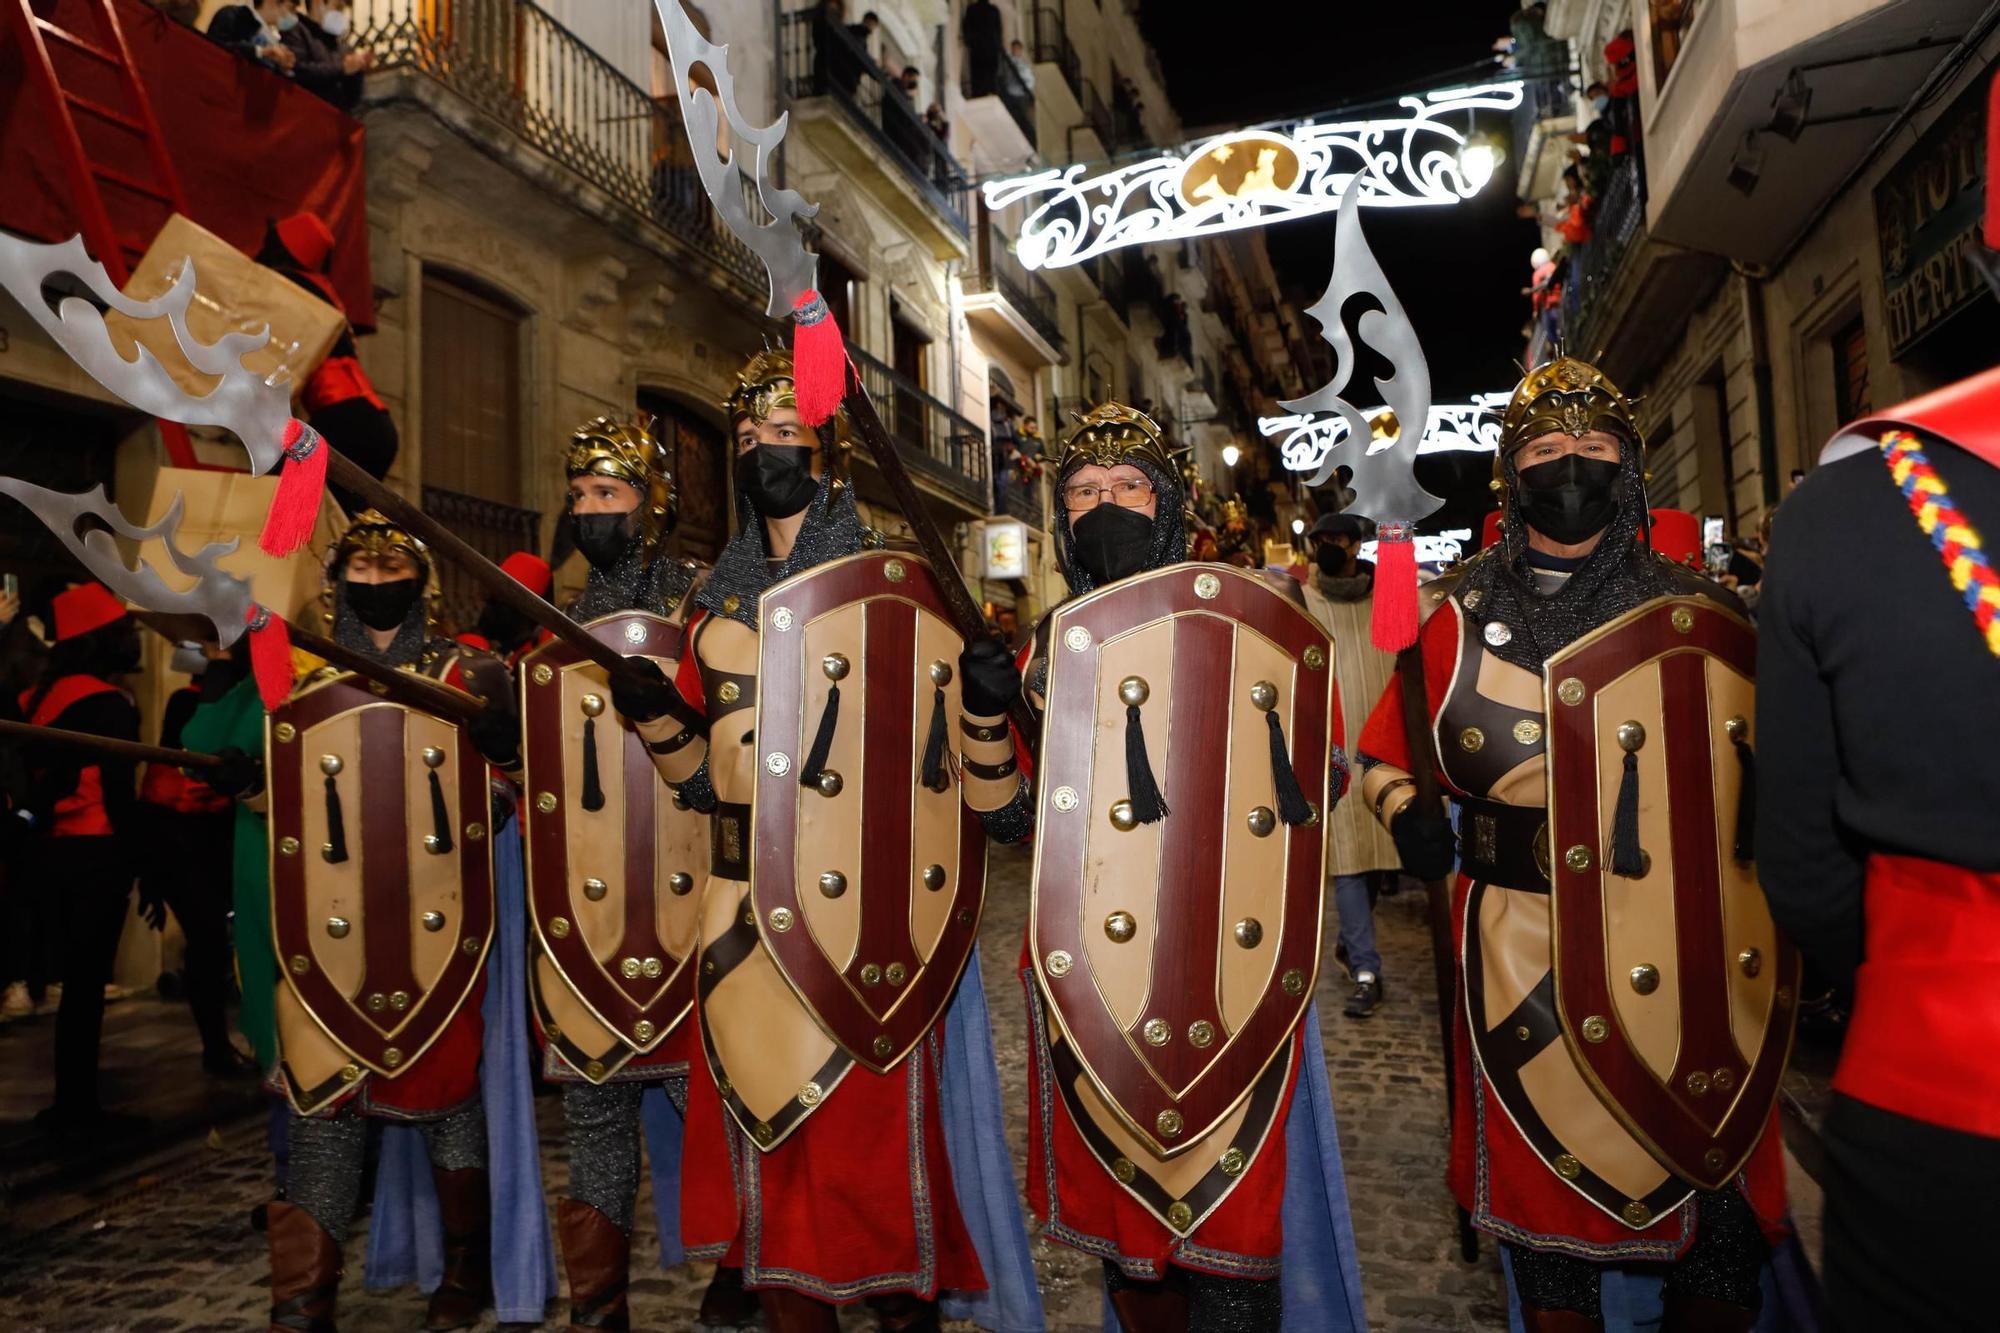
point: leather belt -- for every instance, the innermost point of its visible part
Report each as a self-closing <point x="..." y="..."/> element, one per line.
<point x="1504" y="845"/>
<point x="729" y="848"/>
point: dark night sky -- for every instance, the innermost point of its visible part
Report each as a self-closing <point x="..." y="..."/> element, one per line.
<point x="1458" y="270"/>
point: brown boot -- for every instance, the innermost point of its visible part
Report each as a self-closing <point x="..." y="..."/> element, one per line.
<point x="725" y="1304"/>
<point x="466" y="1208"/>
<point x="305" y="1271"/>
<point x="1557" y="1321"/>
<point x="599" y="1259"/>
<point x="902" y="1312"/>
<point x="1684" y="1313"/>
<point x="795" y="1312"/>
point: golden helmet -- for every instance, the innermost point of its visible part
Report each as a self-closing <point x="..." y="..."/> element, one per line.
<point x="628" y="452"/>
<point x="1567" y="395"/>
<point x="376" y="533"/>
<point x="1112" y="433"/>
<point x="764" y="385"/>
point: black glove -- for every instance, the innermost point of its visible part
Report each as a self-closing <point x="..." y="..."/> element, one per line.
<point x="989" y="680"/>
<point x="237" y="774"/>
<point x="496" y="734"/>
<point x="1425" y="843"/>
<point x="644" y="694"/>
<point x="152" y="907"/>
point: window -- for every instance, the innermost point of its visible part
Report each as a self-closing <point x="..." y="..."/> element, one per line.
<point x="696" y="451"/>
<point x="1851" y="397"/>
<point x="836" y="284"/>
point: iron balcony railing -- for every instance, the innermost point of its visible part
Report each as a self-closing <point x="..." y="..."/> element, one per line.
<point x="936" y="441"/>
<point x="493" y="529"/>
<point x="1005" y="82"/>
<point x="1096" y="114"/>
<point x="1025" y="290"/>
<point x="820" y="58"/>
<point x="1617" y="224"/>
<point x="1053" y="47"/>
<point x="1023" y="500"/>
<point x="517" y="64"/>
<point x="1542" y="98"/>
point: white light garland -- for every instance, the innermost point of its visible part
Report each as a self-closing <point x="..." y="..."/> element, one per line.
<point x="1439" y="548"/>
<point x="1248" y="178"/>
<point x="1304" y="440"/>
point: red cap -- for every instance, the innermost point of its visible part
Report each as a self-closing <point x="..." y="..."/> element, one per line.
<point x="1489" y="531"/>
<point x="83" y="608"/>
<point x="528" y="570"/>
<point x="1677" y="536"/>
<point x="307" y="238"/>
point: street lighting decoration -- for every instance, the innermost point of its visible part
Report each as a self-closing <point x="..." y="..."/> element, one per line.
<point x="1305" y="439"/>
<point x="1252" y="177"/>
<point x="1230" y="453"/>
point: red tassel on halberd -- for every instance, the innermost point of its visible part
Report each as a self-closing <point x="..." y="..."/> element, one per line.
<point x="1393" y="625"/>
<point x="270" y="656"/>
<point x="301" y="483"/>
<point x="819" y="359"/>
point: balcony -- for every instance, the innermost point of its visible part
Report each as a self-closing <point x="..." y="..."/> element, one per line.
<point x="1107" y="274"/>
<point x="1011" y="305"/>
<point x="1058" y="68"/>
<point x="529" y="76"/>
<point x="940" y="446"/>
<point x="1000" y="112"/>
<point x="493" y="529"/>
<point x="870" y="131"/>
<point x="1712" y="75"/>
<point x="1096" y="123"/>
<point x="1542" y="126"/>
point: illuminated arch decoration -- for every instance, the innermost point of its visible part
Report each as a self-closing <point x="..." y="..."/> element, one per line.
<point x="1250" y="178"/>
<point x="1306" y="438"/>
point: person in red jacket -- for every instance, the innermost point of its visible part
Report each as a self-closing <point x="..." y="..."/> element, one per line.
<point x="501" y="630"/>
<point x="84" y="808"/>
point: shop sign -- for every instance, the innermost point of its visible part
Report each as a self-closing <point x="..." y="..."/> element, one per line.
<point x="1927" y="216"/>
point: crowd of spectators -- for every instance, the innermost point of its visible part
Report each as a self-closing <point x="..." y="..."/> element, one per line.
<point x="310" y="42"/>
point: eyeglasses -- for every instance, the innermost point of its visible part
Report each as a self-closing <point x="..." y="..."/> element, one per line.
<point x="1128" y="494"/>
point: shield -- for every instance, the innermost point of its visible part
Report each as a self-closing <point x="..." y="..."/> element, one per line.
<point x="868" y="884"/>
<point x="1178" y="956"/>
<point x="381" y="868"/>
<point x="614" y="856"/>
<point x="1674" y="989"/>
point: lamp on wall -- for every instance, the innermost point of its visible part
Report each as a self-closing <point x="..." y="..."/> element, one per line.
<point x="1230" y="453"/>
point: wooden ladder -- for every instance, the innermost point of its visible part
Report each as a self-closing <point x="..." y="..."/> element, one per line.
<point x="51" y="49"/>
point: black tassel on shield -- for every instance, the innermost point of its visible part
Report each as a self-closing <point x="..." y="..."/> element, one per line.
<point x="1293" y="807"/>
<point x="1627" y="857"/>
<point x="335" y="850"/>
<point x="440" y="840"/>
<point x="1148" y="805"/>
<point x="822" y="744"/>
<point x="935" y="777"/>
<point x="593" y="790"/>
<point x="1746" y="797"/>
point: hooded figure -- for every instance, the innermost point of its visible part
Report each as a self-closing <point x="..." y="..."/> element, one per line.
<point x="1122" y="496"/>
<point x="622" y="509"/>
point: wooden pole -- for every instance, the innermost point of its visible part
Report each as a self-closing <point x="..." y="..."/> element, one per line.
<point x="83" y="740"/>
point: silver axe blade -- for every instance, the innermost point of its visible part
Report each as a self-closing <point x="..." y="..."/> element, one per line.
<point x="251" y="406"/>
<point x="217" y="596"/>
<point x="1384" y="480"/>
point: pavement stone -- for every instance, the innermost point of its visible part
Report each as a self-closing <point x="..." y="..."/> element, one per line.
<point x="174" y="1252"/>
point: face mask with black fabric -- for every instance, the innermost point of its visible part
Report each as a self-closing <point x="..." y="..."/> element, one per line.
<point x="382" y="606"/>
<point x="778" y="478"/>
<point x="1569" y="499"/>
<point x="604" y="539"/>
<point x="1332" y="560"/>
<point x="1111" y="542"/>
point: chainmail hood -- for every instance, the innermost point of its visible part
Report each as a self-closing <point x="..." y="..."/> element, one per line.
<point x="832" y="529"/>
<point x="639" y="581"/>
<point x="1111" y="434"/>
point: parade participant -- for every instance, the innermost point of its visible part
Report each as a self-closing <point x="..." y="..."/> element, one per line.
<point x="1570" y="658"/>
<point x="86" y="807"/>
<point x="501" y="630"/>
<point x="608" y="851"/>
<point x="1881" y="856"/>
<point x="1206" y="1219"/>
<point x="384" y="945"/>
<point x="1340" y="597"/>
<point x="831" y="1169"/>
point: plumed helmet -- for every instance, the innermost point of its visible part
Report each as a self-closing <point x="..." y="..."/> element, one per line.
<point x="627" y="451"/>
<point x="764" y="385"/>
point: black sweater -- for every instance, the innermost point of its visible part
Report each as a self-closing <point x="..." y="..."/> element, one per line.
<point x="1878" y="703"/>
<point x="59" y="768"/>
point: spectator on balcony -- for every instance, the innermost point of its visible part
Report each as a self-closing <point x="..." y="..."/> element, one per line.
<point x="984" y="43"/>
<point x="840" y="53"/>
<point x="901" y="122"/>
<point x="1024" y="69"/>
<point x="935" y="122"/>
<point x="321" y="65"/>
<point x="257" y="31"/>
<point x="1544" y="291"/>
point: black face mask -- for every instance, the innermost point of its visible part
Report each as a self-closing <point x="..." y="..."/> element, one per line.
<point x="382" y="606"/>
<point x="1332" y="560"/>
<point x="504" y="627"/>
<point x="1569" y="499"/>
<point x="1111" y="542"/>
<point x="778" y="478"/>
<point x="219" y="677"/>
<point x="603" y="538"/>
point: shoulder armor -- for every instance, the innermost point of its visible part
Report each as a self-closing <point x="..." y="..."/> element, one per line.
<point x="1434" y="594"/>
<point x="1690" y="583"/>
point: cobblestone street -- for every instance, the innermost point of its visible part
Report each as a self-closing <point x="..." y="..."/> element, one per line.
<point x="176" y="1254"/>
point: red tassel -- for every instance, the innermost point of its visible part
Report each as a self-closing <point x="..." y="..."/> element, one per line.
<point x="295" y="504"/>
<point x="1393" y="624"/>
<point x="819" y="359"/>
<point x="270" y="657"/>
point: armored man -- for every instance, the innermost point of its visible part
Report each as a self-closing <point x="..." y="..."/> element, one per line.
<point x="815" y="716"/>
<point x="382" y="913"/>
<point x="1626" y="1003"/>
<point x="613" y="861"/>
<point x="1180" y="1127"/>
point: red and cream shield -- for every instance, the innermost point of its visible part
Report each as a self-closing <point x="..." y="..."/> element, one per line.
<point x="381" y="868"/>
<point x="867" y="883"/>
<point x="1676" y="992"/>
<point x="614" y="858"/>
<point x="1178" y="956"/>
